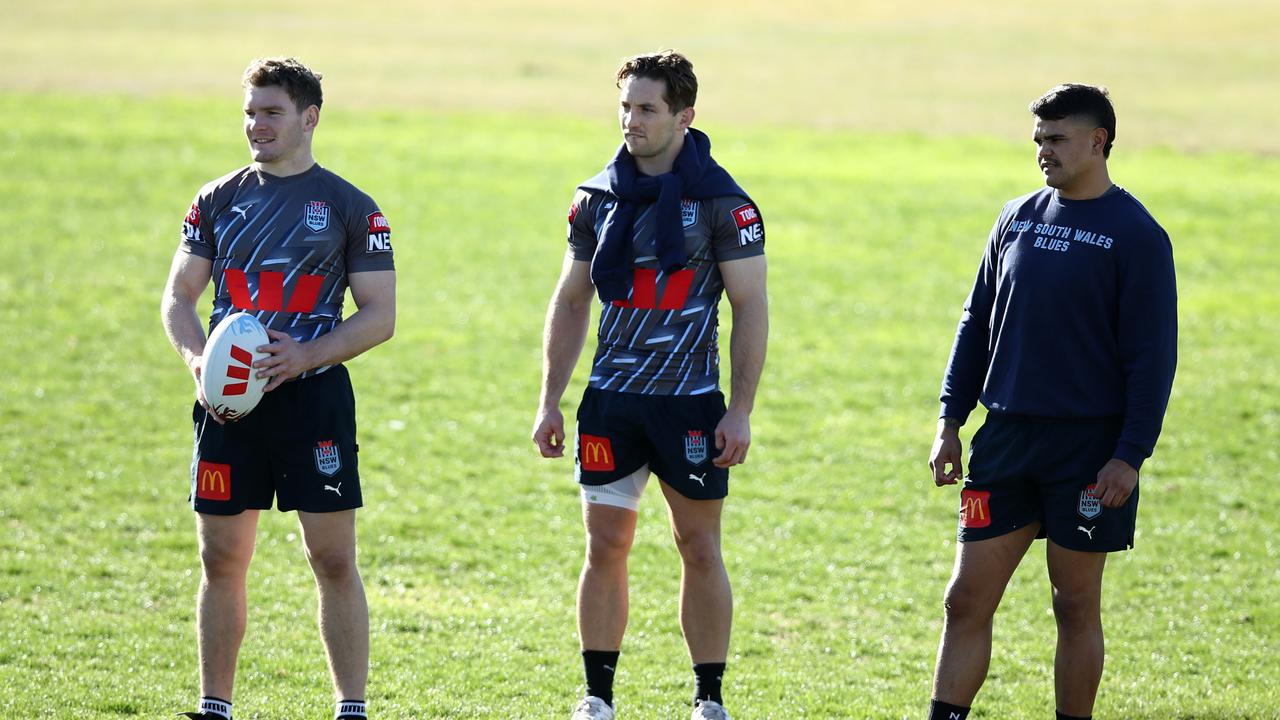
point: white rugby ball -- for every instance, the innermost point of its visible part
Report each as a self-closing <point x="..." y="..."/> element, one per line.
<point x="228" y="378"/>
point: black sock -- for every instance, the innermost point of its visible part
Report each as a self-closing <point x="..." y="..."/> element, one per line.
<point x="599" y="667"/>
<point x="706" y="678"/>
<point x="1064" y="716"/>
<point x="939" y="710"/>
<point x="215" y="706"/>
<point x="348" y="709"/>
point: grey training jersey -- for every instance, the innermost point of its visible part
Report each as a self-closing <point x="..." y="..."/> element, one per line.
<point x="662" y="339"/>
<point x="282" y="247"/>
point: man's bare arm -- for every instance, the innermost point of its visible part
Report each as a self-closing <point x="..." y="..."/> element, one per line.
<point x="564" y="334"/>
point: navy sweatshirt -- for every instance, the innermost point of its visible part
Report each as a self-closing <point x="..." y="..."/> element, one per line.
<point x="1073" y="315"/>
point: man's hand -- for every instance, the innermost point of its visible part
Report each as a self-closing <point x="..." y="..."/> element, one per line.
<point x="289" y="359"/>
<point x="1116" y="481"/>
<point x="548" y="432"/>
<point x="733" y="438"/>
<point x="947" y="451"/>
<point x="197" y="370"/>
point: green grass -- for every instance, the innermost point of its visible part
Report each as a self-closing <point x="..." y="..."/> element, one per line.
<point x="837" y="543"/>
<point x="1196" y="74"/>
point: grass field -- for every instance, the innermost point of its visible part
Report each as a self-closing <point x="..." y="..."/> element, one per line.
<point x="837" y="542"/>
<point x="1192" y="74"/>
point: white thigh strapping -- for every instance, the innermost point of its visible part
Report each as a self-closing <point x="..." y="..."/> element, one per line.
<point x="624" y="492"/>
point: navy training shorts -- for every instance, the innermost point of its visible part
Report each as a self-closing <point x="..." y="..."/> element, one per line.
<point x="619" y="433"/>
<point x="298" y="445"/>
<point x="1026" y="469"/>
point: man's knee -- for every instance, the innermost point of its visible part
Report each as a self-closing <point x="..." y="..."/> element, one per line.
<point x="225" y="560"/>
<point x="699" y="549"/>
<point x="968" y="602"/>
<point x="1076" y="611"/>
<point x="332" y="562"/>
<point x="608" y="544"/>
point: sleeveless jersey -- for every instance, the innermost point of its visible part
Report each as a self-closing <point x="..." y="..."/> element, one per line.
<point x="282" y="247"/>
<point x="662" y="340"/>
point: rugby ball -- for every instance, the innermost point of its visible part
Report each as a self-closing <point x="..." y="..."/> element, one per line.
<point x="228" y="378"/>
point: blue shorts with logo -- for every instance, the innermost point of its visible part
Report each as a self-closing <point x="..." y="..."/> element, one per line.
<point x="1025" y="469"/>
<point x="298" y="445"/>
<point x="675" y="435"/>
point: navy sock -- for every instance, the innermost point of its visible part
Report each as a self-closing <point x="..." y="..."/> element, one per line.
<point x="1064" y="716"/>
<point x="939" y="710"/>
<point x="599" y="667"/>
<point x="350" y="710"/>
<point x="707" y="677"/>
<point x="211" y="705"/>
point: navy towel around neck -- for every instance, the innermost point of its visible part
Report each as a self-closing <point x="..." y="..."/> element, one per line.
<point x="694" y="176"/>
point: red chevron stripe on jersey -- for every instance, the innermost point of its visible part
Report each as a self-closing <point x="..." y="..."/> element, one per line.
<point x="270" y="290"/>
<point x="644" y="290"/>
<point x="238" y="287"/>
<point x="305" y="293"/>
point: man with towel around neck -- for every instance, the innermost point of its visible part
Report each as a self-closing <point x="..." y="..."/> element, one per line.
<point x="657" y="235"/>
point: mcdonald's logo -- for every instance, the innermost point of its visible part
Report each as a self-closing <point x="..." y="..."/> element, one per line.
<point x="975" y="508"/>
<point x="213" y="481"/>
<point x="595" y="454"/>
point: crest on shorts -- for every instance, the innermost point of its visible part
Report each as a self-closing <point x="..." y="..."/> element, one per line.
<point x="695" y="447"/>
<point x="688" y="213"/>
<point x="317" y="215"/>
<point x="1090" y="505"/>
<point x="328" y="461"/>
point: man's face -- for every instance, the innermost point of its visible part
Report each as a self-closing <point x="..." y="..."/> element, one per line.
<point x="648" y="126"/>
<point x="1067" y="149"/>
<point x="276" y="129"/>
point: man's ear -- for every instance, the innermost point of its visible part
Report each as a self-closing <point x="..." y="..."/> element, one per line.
<point x="686" y="118"/>
<point x="1099" y="143"/>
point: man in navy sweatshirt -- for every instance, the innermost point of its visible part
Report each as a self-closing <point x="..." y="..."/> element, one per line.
<point x="1069" y="339"/>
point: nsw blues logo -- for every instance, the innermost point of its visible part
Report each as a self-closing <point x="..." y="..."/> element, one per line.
<point x="1090" y="505"/>
<point x="328" y="460"/>
<point x="317" y="215"/>
<point x="695" y="447"/>
<point x="688" y="213"/>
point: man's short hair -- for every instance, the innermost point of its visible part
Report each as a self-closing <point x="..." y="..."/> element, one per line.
<point x="670" y="67"/>
<point x="1076" y="100"/>
<point x="298" y="80"/>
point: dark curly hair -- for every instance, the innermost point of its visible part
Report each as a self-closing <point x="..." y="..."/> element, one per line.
<point x="299" y="81"/>
<point x="670" y="67"/>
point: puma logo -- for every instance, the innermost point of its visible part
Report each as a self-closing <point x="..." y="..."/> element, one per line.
<point x="1088" y="532"/>
<point x="334" y="489"/>
<point x="699" y="478"/>
<point x="242" y="210"/>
